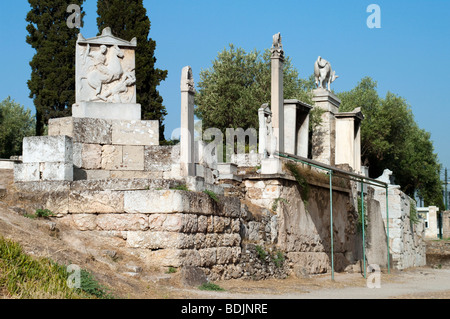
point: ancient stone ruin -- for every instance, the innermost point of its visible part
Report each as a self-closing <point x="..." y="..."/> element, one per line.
<point x="258" y="215"/>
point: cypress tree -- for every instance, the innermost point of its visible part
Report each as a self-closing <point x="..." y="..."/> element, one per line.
<point x="52" y="83"/>
<point x="128" y="19"/>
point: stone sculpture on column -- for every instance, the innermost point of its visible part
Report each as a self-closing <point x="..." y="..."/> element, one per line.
<point x="324" y="74"/>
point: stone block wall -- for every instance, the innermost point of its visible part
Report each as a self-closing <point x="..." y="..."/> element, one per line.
<point x="47" y="158"/>
<point x="104" y="149"/>
<point x="279" y="217"/>
<point x="406" y="239"/>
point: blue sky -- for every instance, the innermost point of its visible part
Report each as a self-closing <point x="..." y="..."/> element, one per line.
<point x="409" y="55"/>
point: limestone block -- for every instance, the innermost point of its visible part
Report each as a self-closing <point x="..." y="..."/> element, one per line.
<point x="27" y="172"/>
<point x="166" y="201"/>
<point x="57" y="202"/>
<point x="112" y="156"/>
<point x="135" y="132"/>
<point x="107" y="111"/>
<point x="227" y="168"/>
<point x="96" y="202"/>
<point x="173" y="173"/>
<point x="208" y="257"/>
<point x="91" y="156"/>
<point x="133" y="158"/>
<point x="309" y="263"/>
<point x="159" y="158"/>
<point x="271" y="191"/>
<point x="82" y="130"/>
<point x="60" y="126"/>
<point x="227" y="255"/>
<point x="166" y="258"/>
<point x="44" y="186"/>
<point x="211" y="240"/>
<point x="190" y="258"/>
<point x="159" y="240"/>
<point x="231" y="207"/>
<point x="122" y="222"/>
<point x="136" y="175"/>
<point x="37" y="149"/>
<point x="77" y="155"/>
<point x="91" y="174"/>
<point x="171" y="222"/>
<point x="202" y="224"/>
<point x="85" y="222"/>
<point x="230" y="240"/>
<point x="199" y="241"/>
<point x="56" y="171"/>
<point x="218" y="224"/>
<point x="271" y="166"/>
<point x="116" y="157"/>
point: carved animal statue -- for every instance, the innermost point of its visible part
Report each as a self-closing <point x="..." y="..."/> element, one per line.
<point x="104" y="73"/>
<point x="386" y="177"/>
<point x="323" y="74"/>
<point x="277" y="41"/>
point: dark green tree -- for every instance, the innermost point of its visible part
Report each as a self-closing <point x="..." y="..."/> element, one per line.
<point x="52" y="83"/>
<point x="15" y="124"/>
<point x="128" y="19"/>
<point x="391" y="138"/>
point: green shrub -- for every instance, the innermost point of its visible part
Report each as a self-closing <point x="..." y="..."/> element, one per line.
<point x="180" y="188"/>
<point x="211" y="287"/>
<point x="278" y="258"/>
<point x="262" y="254"/>
<point x="212" y="195"/>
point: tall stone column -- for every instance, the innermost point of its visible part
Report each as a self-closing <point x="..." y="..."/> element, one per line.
<point x="275" y="136"/>
<point x="187" y="146"/>
<point x="324" y="136"/>
<point x="277" y="98"/>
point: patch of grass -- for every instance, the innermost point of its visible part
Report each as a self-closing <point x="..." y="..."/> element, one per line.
<point x="41" y="213"/>
<point x="25" y="277"/>
<point x="278" y="259"/>
<point x="92" y="287"/>
<point x="262" y="254"/>
<point x="212" y="195"/>
<point x="180" y="188"/>
<point x="211" y="287"/>
<point x="276" y="202"/>
<point x="171" y="270"/>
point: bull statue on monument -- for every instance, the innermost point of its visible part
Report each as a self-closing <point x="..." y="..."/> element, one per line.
<point x="324" y="74"/>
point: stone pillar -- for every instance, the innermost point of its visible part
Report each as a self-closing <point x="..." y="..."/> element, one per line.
<point x="324" y="137"/>
<point x="446" y="224"/>
<point x="432" y="230"/>
<point x="187" y="145"/>
<point x="348" y="139"/>
<point x="296" y="127"/>
<point x="277" y="98"/>
<point x="263" y="113"/>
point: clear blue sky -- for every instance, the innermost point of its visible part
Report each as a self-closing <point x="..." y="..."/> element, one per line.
<point x="409" y="55"/>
